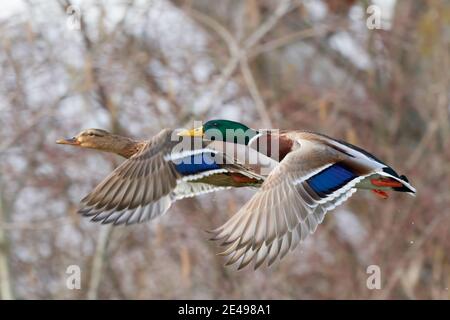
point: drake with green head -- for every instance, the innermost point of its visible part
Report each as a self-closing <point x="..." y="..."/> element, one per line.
<point x="315" y="174"/>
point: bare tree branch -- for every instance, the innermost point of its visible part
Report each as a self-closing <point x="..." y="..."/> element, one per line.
<point x="6" y="292"/>
<point x="238" y="54"/>
<point x="98" y="262"/>
<point x="253" y="88"/>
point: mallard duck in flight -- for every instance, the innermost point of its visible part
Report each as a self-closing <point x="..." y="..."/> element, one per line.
<point x="306" y="174"/>
<point x="315" y="174"/>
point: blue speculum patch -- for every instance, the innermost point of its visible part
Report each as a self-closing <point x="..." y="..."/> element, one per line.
<point x="331" y="179"/>
<point x="196" y="163"/>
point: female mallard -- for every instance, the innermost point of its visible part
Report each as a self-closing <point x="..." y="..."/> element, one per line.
<point x="315" y="174"/>
<point x="156" y="174"/>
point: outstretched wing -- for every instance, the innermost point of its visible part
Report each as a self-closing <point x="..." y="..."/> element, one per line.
<point x="311" y="180"/>
<point x="144" y="186"/>
<point x="139" y="189"/>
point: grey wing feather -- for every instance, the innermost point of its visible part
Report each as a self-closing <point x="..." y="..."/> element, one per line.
<point x="139" y="189"/>
<point x="283" y="212"/>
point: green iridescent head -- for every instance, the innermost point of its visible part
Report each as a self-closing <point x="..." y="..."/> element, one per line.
<point x="223" y="130"/>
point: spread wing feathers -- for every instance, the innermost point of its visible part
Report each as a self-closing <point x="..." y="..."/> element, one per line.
<point x="281" y="245"/>
<point x="139" y="189"/>
<point x="289" y="206"/>
<point x="192" y="189"/>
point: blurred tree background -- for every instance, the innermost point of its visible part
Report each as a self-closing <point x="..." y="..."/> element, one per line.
<point x="135" y="67"/>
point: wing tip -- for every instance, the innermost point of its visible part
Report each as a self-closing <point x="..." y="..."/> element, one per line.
<point x="407" y="187"/>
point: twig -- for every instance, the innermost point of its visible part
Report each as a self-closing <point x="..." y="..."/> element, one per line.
<point x="254" y="92"/>
<point x="36" y="225"/>
<point x="264" y="28"/>
<point x="238" y="54"/>
<point x="411" y="253"/>
<point x="287" y="39"/>
<point x="44" y="114"/>
<point x="97" y="264"/>
<point x="6" y="292"/>
<point x="226" y="36"/>
<point x="424" y="142"/>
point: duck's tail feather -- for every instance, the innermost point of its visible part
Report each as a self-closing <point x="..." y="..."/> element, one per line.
<point x="406" y="186"/>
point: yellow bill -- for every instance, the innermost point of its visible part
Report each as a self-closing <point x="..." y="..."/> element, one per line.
<point x="197" y="132"/>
